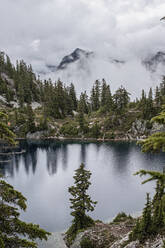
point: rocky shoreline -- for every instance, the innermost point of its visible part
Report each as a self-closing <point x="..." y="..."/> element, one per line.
<point x="138" y="131"/>
<point x="114" y="235"/>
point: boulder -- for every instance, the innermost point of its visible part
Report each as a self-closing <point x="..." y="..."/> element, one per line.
<point x="37" y="135"/>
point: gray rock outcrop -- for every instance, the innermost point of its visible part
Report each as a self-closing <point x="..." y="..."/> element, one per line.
<point x="37" y="135"/>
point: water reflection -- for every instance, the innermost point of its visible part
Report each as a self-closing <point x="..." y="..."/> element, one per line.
<point x="121" y="154"/>
<point x="45" y="171"/>
<point x="57" y="153"/>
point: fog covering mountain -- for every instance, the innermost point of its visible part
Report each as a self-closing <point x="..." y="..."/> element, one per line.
<point x="43" y="32"/>
<point x="83" y="67"/>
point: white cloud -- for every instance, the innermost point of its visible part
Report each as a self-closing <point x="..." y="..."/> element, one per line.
<point x="44" y="31"/>
<point x="35" y="44"/>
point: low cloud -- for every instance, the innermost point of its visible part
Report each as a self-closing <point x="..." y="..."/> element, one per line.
<point x="42" y="32"/>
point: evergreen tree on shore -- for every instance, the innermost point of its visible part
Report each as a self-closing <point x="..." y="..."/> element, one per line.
<point x="14" y="232"/>
<point x="143" y="228"/>
<point x="5" y="133"/>
<point x="80" y="202"/>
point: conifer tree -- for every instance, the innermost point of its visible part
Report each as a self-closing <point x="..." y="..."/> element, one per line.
<point x="92" y="99"/>
<point x="30" y="119"/>
<point x="158" y="204"/>
<point x="147" y="218"/>
<point x="83" y="103"/>
<point x="143" y="227"/>
<point x="5" y="133"/>
<point x="106" y="97"/>
<point x="155" y="142"/>
<point x="103" y="93"/>
<point x="72" y="95"/>
<point x="81" y="120"/>
<point x="157" y="98"/>
<point x="95" y="96"/>
<point x="14" y="232"/>
<point x="121" y="100"/>
<point x="81" y="202"/>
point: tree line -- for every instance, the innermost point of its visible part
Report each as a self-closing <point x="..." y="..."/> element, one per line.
<point x="19" y="83"/>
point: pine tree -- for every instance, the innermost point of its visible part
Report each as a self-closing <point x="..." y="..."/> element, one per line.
<point x="80" y="202"/>
<point x="106" y="97"/>
<point x="158" y="203"/>
<point x="30" y="119"/>
<point x="157" y="98"/>
<point x="121" y="99"/>
<point x="103" y="93"/>
<point x="95" y="96"/>
<point x="12" y="229"/>
<point x="143" y="227"/>
<point x="81" y="120"/>
<point x="72" y="95"/>
<point x="155" y="142"/>
<point x="83" y="103"/>
<point x="147" y="105"/>
<point x="146" y="223"/>
<point x="5" y="133"/>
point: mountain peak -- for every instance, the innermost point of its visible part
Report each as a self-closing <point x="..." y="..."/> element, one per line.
<point x="152" y="61"/>
<point x="76" y="55"/>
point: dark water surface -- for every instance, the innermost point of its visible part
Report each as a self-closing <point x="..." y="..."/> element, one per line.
<point x="45" y="171"/>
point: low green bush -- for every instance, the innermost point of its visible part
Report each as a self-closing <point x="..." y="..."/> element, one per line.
<point x="122" y="217"/>
<point x="94" y="131"/>
<point x="110" y="135"/>
<point x="69" y="129"/>
<point x="86" y="243"/>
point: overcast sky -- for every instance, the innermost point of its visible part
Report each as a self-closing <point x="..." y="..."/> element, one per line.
<point x="43" y="31"/>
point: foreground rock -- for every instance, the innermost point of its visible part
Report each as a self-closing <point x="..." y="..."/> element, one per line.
<point x="114" y="235"/>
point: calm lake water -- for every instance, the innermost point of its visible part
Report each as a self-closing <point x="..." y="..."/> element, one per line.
<point x="45" y="171"/>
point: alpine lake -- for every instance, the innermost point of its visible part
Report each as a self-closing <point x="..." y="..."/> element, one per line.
<point x="45" y="170"/>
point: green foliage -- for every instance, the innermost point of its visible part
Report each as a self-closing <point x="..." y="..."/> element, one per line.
<point x="69" y="129"/>
<point x="156" y="142"/>
<point x="153" y="218"/>
<point x="95" y="131"/>
<point x="109" y="135"/>
<point x="86" y="243"/>
<point x="95" y="96"/>
<point x="76" y="228"/>
<point x="120" y="217"/>
<point x="121" y="99"/>
<point x="80" y="203"/>
<point x="5" y="133"/>
<point x="19" y="83"/>
<point x="30" y="122"/>
<point x="12" y="229"/>
<point x="83" y="105"/>
<point x="144" y="226"/>
<point x="163" y="244"/>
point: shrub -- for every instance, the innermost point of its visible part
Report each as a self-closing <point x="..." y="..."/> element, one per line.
<point x="122" y="217"/>
<point x="95" y="131"/>
<point x="69" y="129"/>
<point x="86" y="243"/>
<point x="110" y="135"/>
